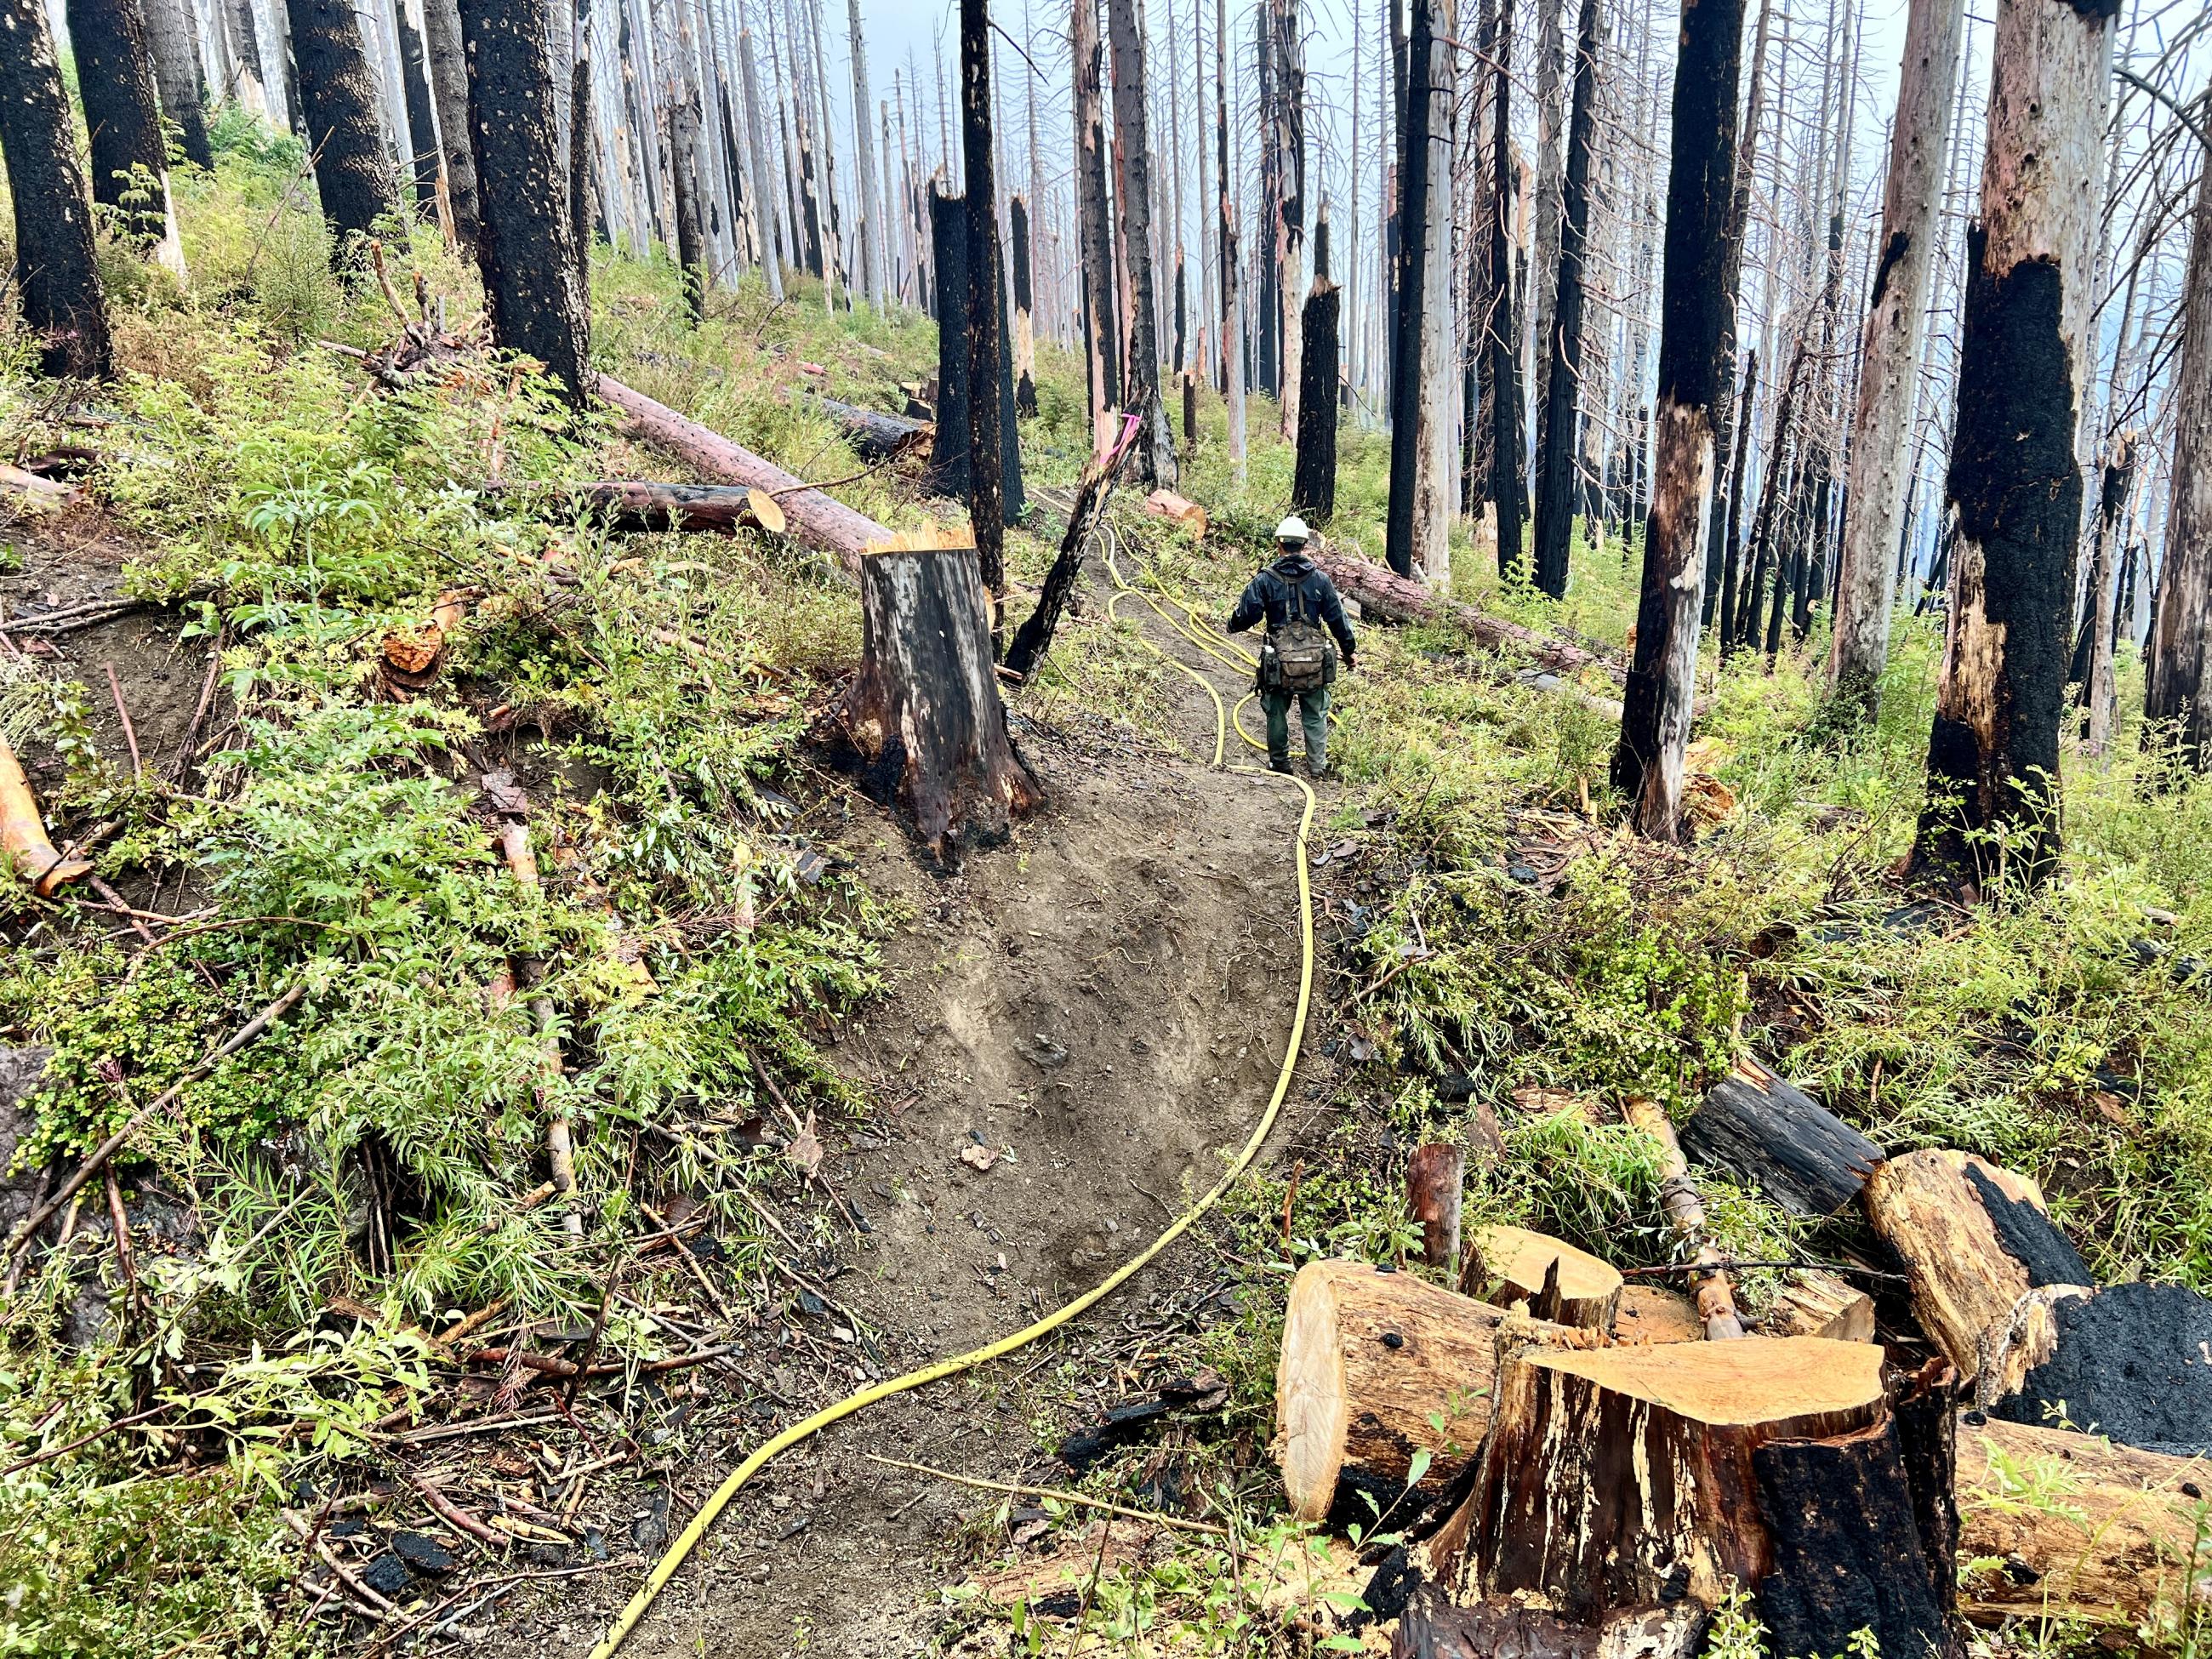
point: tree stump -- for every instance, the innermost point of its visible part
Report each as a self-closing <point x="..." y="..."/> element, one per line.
<point x="1434" y="1173"/>
<point x="1523" y="1265"/>
<point x="1756" y="1125"/>
<point x="924" y="712"/>
<point x="1627" y="1476"/>
<point x="1974" y="1241"/>
<point x="1377" y="1366"/>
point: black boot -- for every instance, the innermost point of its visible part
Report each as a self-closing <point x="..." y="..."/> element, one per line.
<point x="1278" y="763"/>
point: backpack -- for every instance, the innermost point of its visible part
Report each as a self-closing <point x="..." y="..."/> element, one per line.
<point x="1298" y="656"/>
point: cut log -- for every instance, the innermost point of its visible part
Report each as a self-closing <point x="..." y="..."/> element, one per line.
<point x="1397" y="598"/>
<point x="1628" y="1475"/>
<point x="924" y="711"/>
<point x="1434" y="1173"/>
<point x="1522" y="1266"/>
<point x="1685" y="1214"/>
<point x="874" y="435"/>
<point x="1967" y="1273"/>
<point x="1376" y="1367"/>
<point x="1756" y="1125"/>
<point x="2114" y="1542"/>
<point x="2128" y="1361"/>
<point x="1816" y="1303"/>
<point x="815" y="518"/>
<point x="24" y="832"/>
<point x="1178" y="510"/>
<point x="633" y="505"/>
<point x="1433" y="1628"/>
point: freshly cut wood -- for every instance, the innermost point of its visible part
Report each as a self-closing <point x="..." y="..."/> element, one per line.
<point x="1685" y="1214"/>
<point x="1940" y="1211"/>
<point x="924" y="711"/>
<point x="1375" y="1367"/>
<point x="2128" y="1360"/>
<point x="816" y="518"/>
<point x="1757" y="1125"/>
<point x="634" y="505"/>
<point x="1434" y="1174"/>
<point x="1816" y="1303"/>
<point x="1522" y="1264"/>
<point x="1651" y="1313"/>
<point x="1627" y="1475"/>
<point x="2115" y="1542"/>
<point x="874" y="435"/>
<point x="23" y="831"/>
<point x="1178" y="510"/>
<point x="1433" y="1628"/>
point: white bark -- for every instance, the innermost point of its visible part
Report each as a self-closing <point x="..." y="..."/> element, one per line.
<point x="1434" y="497"/>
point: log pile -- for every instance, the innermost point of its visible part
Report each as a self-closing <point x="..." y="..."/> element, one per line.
<point x="1577" y="1473"/>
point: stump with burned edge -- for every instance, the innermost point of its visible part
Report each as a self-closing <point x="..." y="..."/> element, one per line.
<point x="1637" y="1476"/>
<point x="1757" y="1125"/>
<point x="924" y="712"/>
<point x="1377" y="1367"/>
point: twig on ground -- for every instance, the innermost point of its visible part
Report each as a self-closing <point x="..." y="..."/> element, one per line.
<point x="123" y="713"/>
<point x="446" y="1510"/>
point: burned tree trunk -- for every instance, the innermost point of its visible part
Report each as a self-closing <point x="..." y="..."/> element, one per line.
<point x="1654" y="721"/>
<point x="1026" y="397"/>
<point x="421" y="124"/>
<point x="1313" y="490"/>
<point x="924" y="712"/>
<point x="874" y="435"/>
<point x="449" y="89"/>
<point x="1500" y="331"/>
<point x="2013" y="486"/>
<point x="1746" y="406"/>
<point x="950" y="450"/>
<point x="1102" y="309"/>
<point x="2099" y="695"/>
<point x="632" y="505"/>
<point x="1034" y="638"/>
<point x="2179" y="688"/>
<point x="1425" y="145"/>
<point x="1758" y="1126"/>
<point x="1433" y="1628"/>
<point x="172" y="34"/>
<point x="684" y="185"/>
<point x="129" y="155"/>
<point x="337" y="103"/>
<point x="1561" y="349"/>
<point x="1881" y="446"/>
<point x="57" y="273"/>
<point x="1230" y="280"/>
<point x="524" y="248"/>
<point x="1134" y="197"/>
<point x="993" y="457"/>
<point x="1285" y="135"/>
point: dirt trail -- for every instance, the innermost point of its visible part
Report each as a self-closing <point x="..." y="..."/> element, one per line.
<point x="1104" y="1003"/>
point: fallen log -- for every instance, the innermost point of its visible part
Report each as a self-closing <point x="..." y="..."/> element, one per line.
<point x="2080" y="1529"/>
<point x="1817" y="1303"/>
<point x="816" y="518"/>
<point x="1526" y="1267"/>
<point x="1179" y="510"/>
<point x="2129" y="1361"/>
<point x="874" y="435"/>
<point x="1685" y="1214"/>
<point x="1974" y="1241"/>
<point x="1635" y="1476"/>
<point x="632" y="505"/>
<point x="1433" y="1628"/>
<point x="24" y="832"/>
<point x="1383" y="593"/>
<point x="1377" y="1368"/>
<point x="924" y="711"/>
<point x="1757" y="1125"/>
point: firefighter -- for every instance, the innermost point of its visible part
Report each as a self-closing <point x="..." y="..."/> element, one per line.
<point x="1297" y="658"/>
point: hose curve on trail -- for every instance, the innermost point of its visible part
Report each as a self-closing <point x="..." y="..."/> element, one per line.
<point x="685" y="1541"/>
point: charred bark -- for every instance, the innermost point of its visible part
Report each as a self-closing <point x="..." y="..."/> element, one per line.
<point x="1654" y="724"/>
<point x="524" y="248"/>
<point x="1155" y="458"/>
<point x="1313" y="490"/>
<point x="2098" y="693"/>
<point x="129" y="154"/>
<point x="2180" y="661"/>
<point x="994" y="469"/>
<point x="950" y="472"/>
<point x="1102" y="331"/>
<point x="1562" y="348"/>
<point x="338" y="102"/>
<point x="1034" y="638"/>
<point x="1419" y="148"/>
<point x="421" y="124"/>
<point x="57" y="275"/>
<point x="1992" y="810"/>
<point x="173" y="35"/>
<point x="1501" y="334"/>
<point x="1746" y="404"/>
<point x="449" y="89"/>
<point x="1026" y="398"/>
<point x="683" y="177"/>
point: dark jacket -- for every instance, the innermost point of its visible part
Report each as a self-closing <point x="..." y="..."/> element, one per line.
<point x="1267" y="597"/>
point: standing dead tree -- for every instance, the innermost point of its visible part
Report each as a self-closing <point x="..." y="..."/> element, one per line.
<point x="1102" y="310"/>
<point x="1502" y="355"/>
<point x="1882" y="438"/>
<point x="1420" y="503"/>
<point x="129" y="154"/>
<point x="1561" y="349"/>
<point x="58" y="273"/>
<point x="2179" y="691"/>
<point x="1655" y="710"/>
<point x="337" y="101"/>
<point x="2014" y="488"/>
<point x="1133" y="184"/>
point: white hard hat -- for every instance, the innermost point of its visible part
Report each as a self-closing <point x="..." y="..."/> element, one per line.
<point x="1293" y="529"/>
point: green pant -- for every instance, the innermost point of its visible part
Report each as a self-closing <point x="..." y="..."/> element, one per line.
<point x="1313" y="714"/>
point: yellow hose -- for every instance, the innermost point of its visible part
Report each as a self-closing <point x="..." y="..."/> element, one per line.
<point x="688" y="1539"/>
